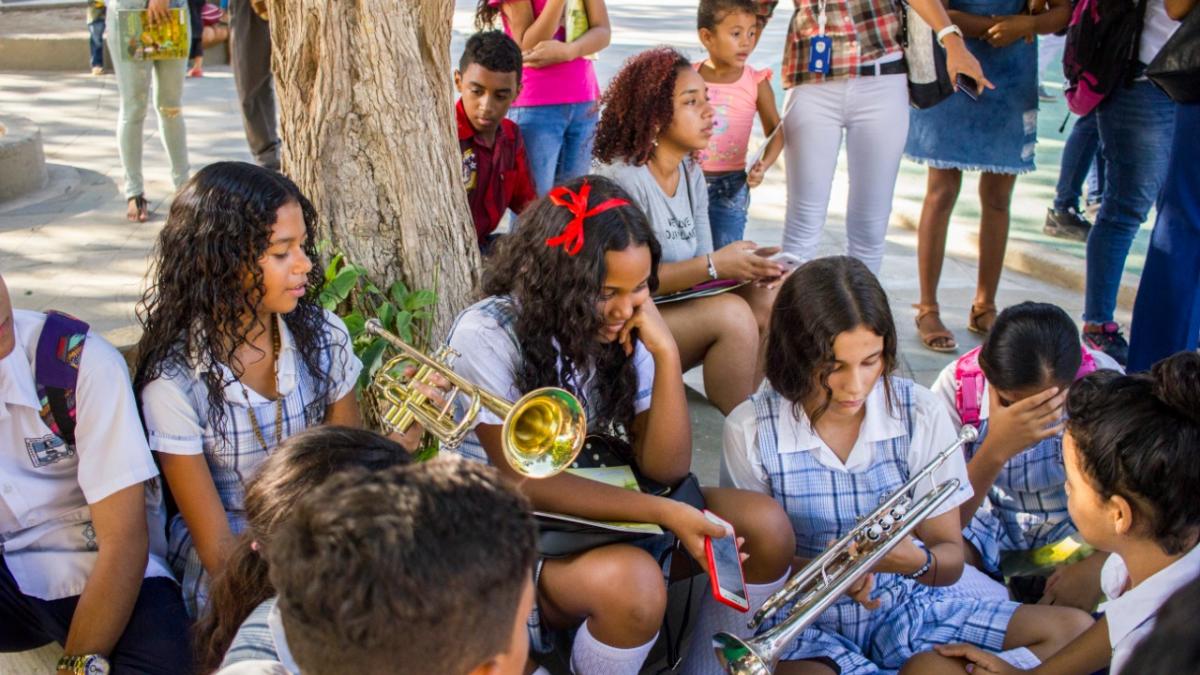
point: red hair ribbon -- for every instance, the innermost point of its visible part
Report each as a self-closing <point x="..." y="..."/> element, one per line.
<point x="571" y="238"/>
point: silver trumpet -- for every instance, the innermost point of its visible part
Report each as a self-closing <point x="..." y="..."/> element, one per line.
<point x="824" y="580"/>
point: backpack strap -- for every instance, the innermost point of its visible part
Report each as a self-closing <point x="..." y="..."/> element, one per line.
<point x="968" y="387"/>
<point x="56" y="372"/>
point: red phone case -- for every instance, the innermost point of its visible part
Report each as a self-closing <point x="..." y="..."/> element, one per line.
<point x="716" y="587"/>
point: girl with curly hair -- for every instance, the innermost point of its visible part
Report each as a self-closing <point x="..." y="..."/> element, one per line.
<point x="656" y="120"/>
<point x="236" y="355"/>
<point x="568" y="305"/>
<point x="556" y="108"/>
<point x="833" y="433"/>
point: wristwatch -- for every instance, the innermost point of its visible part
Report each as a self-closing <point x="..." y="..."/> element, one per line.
<point x="88" y="664"/>
<point x="952" y="28"/>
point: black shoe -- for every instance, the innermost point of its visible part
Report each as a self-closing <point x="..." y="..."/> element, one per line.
<point x="1107" y="338"/>
<point x="1067" y="224"/>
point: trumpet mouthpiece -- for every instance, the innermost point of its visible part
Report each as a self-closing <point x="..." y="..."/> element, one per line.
<point x="966" y="434"/>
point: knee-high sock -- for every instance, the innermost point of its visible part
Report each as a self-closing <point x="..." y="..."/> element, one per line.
<point x="714" y="617"/>
<point x="590" y="656"/>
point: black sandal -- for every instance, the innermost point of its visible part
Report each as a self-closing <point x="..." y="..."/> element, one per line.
<point x="138" y="210"/>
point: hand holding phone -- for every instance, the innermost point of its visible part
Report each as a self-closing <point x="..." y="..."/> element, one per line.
<point x="968" y="86"/>
<point x="785" y="260"/>
<point x="725" y="566"/>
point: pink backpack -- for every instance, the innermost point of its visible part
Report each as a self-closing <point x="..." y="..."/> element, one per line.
<point x="969" y="381"/>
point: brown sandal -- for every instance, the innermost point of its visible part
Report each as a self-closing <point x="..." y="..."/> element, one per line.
<point x="138" y="210"/>
<point x="929" y="337"/>
<point x="978" y="313"/>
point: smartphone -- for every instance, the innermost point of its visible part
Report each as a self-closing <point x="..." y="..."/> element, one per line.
<point x="968" y="86"/>
<point x="785" y="260"/>
<point x="725" y="567"/>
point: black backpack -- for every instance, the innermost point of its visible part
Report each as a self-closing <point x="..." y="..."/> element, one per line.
<point x="1101" y="50"/>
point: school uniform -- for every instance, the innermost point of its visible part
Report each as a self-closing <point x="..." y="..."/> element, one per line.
<point x="485" y="337"/>
<point x="175" y="407"/>
<point x="768" y="450"/>
<point x="261" y="638"/>
<point x="47" y="538"/>
<point x="1130" y="613"/>
<point x="1026" y="507"/>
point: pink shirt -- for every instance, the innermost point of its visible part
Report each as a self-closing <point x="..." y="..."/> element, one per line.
<point x="734" y="107"/>
<point x="567" y="82"/>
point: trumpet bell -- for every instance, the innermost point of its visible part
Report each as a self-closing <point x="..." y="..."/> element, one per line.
<point x="738" y="657"/>
<point x="544" y="432"/>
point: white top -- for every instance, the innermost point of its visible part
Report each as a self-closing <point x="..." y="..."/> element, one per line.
<point x="46" y="532"/>
<point x="742" y="467"/>
<point x="255" y="668"/>
<point x="1156" y="29"/>
<point x="943" y="386"/>
<point x="680" y="221"/>
<point x="482" y="335"/>
<point x="1130" y="613"/>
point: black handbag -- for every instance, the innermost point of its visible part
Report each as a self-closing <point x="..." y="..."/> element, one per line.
<point x="928" y="80"/>
<point x="558" y="538"/>
<point x="1176" y="69"/>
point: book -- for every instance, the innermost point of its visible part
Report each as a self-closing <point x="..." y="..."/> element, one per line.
<point x="575" y="22"/>
<point x="142" y="41"/>
<point x="700" y="291"/>
<point x="616" y="476"/>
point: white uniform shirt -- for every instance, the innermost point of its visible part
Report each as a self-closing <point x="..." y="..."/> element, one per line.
<point x="742" y="466"/>
<point x="46" y="533"/>
<point x="1157" y="28"/>
<point x="1130" y="613"/>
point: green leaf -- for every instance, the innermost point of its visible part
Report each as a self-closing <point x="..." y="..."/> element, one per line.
<point x="372" y="358"/>
<point x="328" y="300"/>
<point x="343" y="283"/>
<point x="332" y="268"/>
<point x="387" y="315"/>
<point x="398" y="292"/>
<point x="422" y="315"/>
<point x="355" y="323"/>
<point x="418" y="299"/>
<point x="403" y="325"/>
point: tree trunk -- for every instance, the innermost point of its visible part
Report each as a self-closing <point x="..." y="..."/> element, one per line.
<point x="365" y="105"/>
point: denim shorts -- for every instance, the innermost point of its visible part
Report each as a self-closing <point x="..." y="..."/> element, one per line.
<point x="728" y="201"/>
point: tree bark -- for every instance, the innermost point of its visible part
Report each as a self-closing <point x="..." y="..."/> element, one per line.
<point x="365" y="105"/>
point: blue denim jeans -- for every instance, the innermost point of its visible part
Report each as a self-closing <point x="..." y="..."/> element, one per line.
<point x="728" y="200"/>
<point x="1082" y="160"/>
<point x="96" y="42"/>
<point x="1136" y="126"/>
<point x="558" y="140"/>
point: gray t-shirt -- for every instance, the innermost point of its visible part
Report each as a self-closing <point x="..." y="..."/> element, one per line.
<point x="681" y="221"/>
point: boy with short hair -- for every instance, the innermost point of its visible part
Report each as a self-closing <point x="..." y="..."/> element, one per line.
<point x="425" y="568"/>
<point x="495" y="168"/>
<point x="82" y="538"/>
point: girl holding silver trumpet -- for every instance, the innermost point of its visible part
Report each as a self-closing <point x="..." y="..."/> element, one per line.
<point x="831" y="435"/>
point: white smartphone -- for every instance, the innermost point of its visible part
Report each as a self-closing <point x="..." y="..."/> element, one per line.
<point x="725" y="567"/>
<point x="785" y="260"/>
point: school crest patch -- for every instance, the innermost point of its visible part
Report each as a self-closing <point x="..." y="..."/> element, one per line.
<point x="48" y="450"/>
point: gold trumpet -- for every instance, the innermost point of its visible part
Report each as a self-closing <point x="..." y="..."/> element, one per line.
<point x="829" y="575"/>
<point x="543" y="430"/>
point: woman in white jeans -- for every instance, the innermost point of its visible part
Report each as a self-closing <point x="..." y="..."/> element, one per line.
<point x="133" y="82"/>
<point x="850" y="77"/>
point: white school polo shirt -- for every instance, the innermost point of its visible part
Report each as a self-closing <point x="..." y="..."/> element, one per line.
<point x="742" y="465"/>
<point x="1130" y="613"/>
<point x="46" y="534"/>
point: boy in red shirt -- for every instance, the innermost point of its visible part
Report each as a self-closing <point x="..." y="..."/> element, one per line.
<point x="495" y="169"/>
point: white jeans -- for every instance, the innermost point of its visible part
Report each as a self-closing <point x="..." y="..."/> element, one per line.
<point x="873" y="111"/>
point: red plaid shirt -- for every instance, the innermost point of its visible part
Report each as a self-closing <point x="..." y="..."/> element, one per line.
<point x="861" y="30"/>
<point x="496" y="177"/>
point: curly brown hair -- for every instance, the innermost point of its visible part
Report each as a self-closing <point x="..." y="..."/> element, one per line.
<point x="820" y="300"/>
<point x="638" y="105"/>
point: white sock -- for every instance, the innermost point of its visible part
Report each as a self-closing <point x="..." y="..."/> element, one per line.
<point x="714" y="617"/>
<point x="1021" y="658"/>
<point x="975" y="584"/>
<point x="590" y="656"/>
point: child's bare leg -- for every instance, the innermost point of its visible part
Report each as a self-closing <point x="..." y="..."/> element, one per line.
<point x="1045" y="629"/>
<point x="932" y="663"/>
<point x="804" y="668"/>
<point x="720" y="332"/>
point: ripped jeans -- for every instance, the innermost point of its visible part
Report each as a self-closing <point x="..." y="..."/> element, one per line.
<point x="133" y="82"/>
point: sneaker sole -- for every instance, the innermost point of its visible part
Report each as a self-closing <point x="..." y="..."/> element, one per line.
<point x="1063" y="234"/>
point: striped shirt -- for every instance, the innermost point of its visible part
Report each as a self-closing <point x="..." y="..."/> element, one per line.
<point x="175" y="407"/>
<point x="862" y="31"/>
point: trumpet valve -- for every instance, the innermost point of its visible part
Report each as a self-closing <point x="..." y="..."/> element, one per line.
<point x="887" y="521"/>
<point x="874" y="532"/>
<point x="899" y="511"/>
